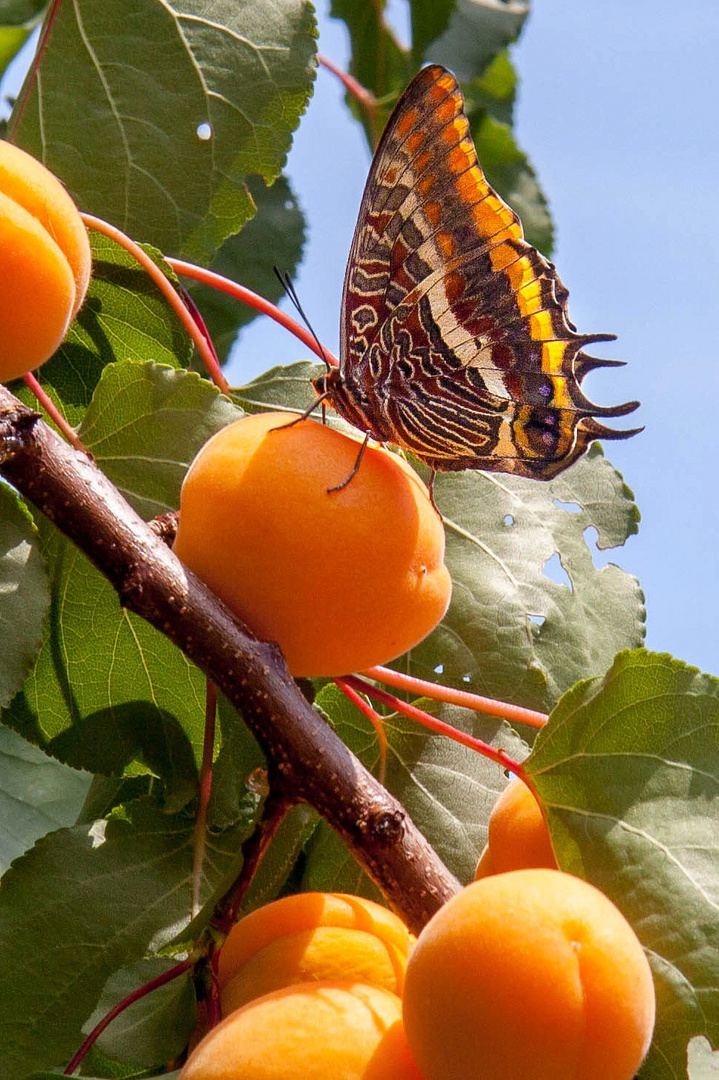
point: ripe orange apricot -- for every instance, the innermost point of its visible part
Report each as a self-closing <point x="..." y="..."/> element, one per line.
<point x="518" y="836"/>
<point x="529" y="975"/>
<point x="342" y="580"/>
<point x="312" y="937"/>
<point x="45" y="262"/>
<point x="312" y="1031"/>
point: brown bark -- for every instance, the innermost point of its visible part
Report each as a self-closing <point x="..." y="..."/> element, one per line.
<point x="306" y="759"/>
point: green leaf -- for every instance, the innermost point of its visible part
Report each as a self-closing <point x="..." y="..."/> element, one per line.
<point x="430" y="19"/>
<point x="447" y="789"/>
<point x="703" y="1062"/>
<point x="628" y="769"/>
<point x="107" y="689"/>
<point x="378" y="60"/>
<point x="146" y="423"/>
<point x="239" y="760"/>
<point x="512" y="632"/>
<point x="154" y="1029"/>
<point x="477" y="31"/>
<point x="274" y="237"/>
<point x="17" y="19"/>
<point x="24" y="593"/>
<point x="80" y="906"/>
<point x="37" y="794"/>
<point x="285" y="387"/>
<point x="146" y="76"/>
<point x="124" y="317"/>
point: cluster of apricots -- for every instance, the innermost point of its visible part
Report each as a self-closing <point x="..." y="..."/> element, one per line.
<point x="527" y="974"/>
<point x="46" y="262"/>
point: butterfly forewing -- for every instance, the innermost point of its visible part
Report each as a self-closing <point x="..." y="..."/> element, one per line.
<point x="456" y="343"/>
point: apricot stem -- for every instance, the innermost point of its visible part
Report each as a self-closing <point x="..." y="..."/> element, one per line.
<point x="168" y="290"/>
<point x="205" y="789"/>
<point x="44" y="399"/>
<point x="360" y="93"/>
<point x="136" y="995"/>
<point x="439" y="692"/>
<point x="31" y="76"/>
<point x="501" y="757"/>
<point x="253" y="300"/>
<point x="375" y="720"/>
<point x="253" y="850"/>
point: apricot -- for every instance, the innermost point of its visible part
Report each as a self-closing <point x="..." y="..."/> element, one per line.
<point x="529" y="975"/>
<point x="312" y="937"/>
<point x="518" y="837"/>
<point x="45" y="262"/>
<point x="341" y="580"/>
<point x="312" y="1031"/>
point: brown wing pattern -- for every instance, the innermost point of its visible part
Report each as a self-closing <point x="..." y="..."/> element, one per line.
<point x="456" y="343"/>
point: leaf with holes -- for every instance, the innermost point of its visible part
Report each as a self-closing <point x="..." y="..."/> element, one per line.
<point x="183" y="100"/>
<point x="512" y="632"/>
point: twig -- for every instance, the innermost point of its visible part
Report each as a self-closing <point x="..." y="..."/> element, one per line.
<point x="501" y="757"/>
<point x="375" y="720"/>
<point x="253" y="851"/>
<point x="203" y="801"/>
<point x="360" y="93"/>
<point x="136" y="995"/>
<point x="253" y="300"/>
<point x="168" y="290"/>
<point x="308" y="760"/>
<point x="44" y="399"/>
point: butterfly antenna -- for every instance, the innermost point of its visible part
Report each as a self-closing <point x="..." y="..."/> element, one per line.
<point x="286" y="282"/>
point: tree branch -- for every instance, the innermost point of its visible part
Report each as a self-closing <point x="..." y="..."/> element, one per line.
<point x="306" y="759"/>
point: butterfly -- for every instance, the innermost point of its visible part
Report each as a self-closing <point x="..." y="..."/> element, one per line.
<point x="455" y="339"/>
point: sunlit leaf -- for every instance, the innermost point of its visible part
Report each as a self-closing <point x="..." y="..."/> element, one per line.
<point x="144" y="426"/>
<point x="183" y="100"/>
<point x="628" y="769"/>
<point x="531" y="613"/>
<point x="274" y="237"/>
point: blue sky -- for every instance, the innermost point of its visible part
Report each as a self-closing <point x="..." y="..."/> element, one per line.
<point x="617" y="111"/>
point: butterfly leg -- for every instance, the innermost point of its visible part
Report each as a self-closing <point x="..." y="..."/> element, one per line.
<point x="355" y="467"/>
<point x="430" y="490"/>
<point x="303" y="416"/>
